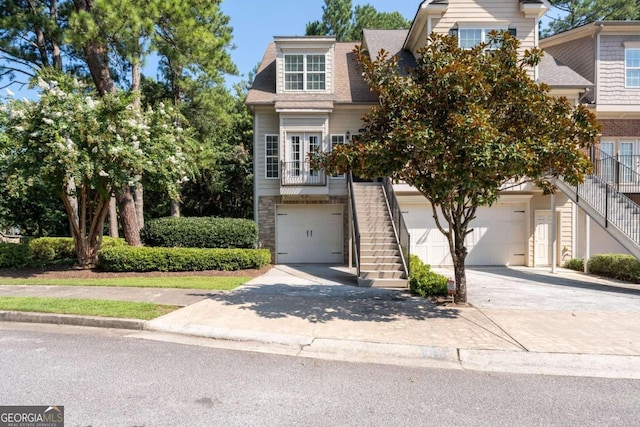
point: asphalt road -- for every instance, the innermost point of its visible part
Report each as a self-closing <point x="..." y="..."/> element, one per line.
<point x="104" y="378"/>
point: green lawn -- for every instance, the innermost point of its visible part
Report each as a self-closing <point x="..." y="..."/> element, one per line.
<point x="87" y="307"/>
<point x="221" y="283"/>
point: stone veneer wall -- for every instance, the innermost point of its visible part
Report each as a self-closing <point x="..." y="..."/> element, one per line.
<point x="267" y="220"/>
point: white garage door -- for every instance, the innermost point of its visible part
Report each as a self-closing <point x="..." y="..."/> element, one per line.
<point x="498" y="236"/>
<point x="309" y="234"/>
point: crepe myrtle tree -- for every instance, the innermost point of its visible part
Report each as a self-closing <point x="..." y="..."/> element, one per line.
<point x="99" y="144"/>
<point x="463" y="125"/>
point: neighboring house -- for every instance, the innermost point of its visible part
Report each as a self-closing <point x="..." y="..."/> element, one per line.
<point x="607" y="53"/>
<point x="308" y="95"/>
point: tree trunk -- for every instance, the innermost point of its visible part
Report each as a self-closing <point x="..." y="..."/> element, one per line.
<point x="57" y="54"/>
<point x="139" y="198"/>
<point x="136" y="86"/>
<point x="175" y="208"/>
<point x="87" y="241"/>
<point x="41" y="42"/>
<point x="459" y="256"/>
<point x="130" y="227"/>
<point x="460" y="274"/>
<point x="73" y="203"/>
<point x="113" y="219"/>
<point x="96" y="57"/>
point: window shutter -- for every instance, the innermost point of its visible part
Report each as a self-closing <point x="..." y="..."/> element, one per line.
<point x="512" y="31"/>
<point x="453" y="32"/>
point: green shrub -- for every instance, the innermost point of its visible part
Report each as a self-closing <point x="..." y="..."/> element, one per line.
<point x="423" y="281"/>
<point x="576" y="264"/>
<point x="47" y="249"/>
<point x="617" y="266"/>
<point x="14" y="255"/>
<point x="200" y="232"/>
<point x="140" y="259"/>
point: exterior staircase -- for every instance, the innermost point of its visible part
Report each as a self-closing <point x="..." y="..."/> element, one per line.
<point x="604" y="196"/>
<point x="380" y="261"/>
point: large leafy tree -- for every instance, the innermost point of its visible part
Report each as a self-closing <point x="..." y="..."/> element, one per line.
<point x="109" y="40"/>
<point x="222" y="125"/>
<point x="575" y="13"/>
<point x="341" y="20"/>
<point x="462" y="126"/>
<point x="71" y="135"/>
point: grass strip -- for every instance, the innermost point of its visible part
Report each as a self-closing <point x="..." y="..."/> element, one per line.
<point x="87" y="307"/>
<point x="222" y="283"/>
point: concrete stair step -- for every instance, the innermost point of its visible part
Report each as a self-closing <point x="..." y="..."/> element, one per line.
<point x="392" y="259"/>
<point x="375" y="233"/>
<point x="381" y="274"/>
<point x="378" y="241"/>
<point x="378" y="252"/>
<point x="376" y="218"/>
<point x="375" y="226"/>
<point x="381" y="266"/>
<point x="384" y="283"/>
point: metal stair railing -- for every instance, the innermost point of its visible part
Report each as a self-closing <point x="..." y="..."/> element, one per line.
<point x="400" y="227"/>
<point x="607" y="190"/>
<point x="355" y="229"/>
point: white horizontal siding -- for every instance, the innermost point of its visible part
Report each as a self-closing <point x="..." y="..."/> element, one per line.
<point x="341" y="121"/>
<point x="485" y="14"/>
<point x="266" y="122"/>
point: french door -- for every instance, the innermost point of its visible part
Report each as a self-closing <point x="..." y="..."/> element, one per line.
<point x="297" y="156"/>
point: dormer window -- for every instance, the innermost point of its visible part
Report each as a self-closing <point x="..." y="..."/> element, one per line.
<point x="470" y="37"/>
<point x="304" y="72"/>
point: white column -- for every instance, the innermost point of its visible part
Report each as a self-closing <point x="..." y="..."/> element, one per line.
<point x="350" y="231"/>
<point x="587" y="242"/>
<point x="554" y="235"/>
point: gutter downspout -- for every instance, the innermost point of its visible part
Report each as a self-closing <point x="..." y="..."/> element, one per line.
<point x="255" y="168"/>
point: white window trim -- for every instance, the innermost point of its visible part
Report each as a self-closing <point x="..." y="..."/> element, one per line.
<point x="626" y="68"/>
<point x="305" y="72"/>
<point x="276" y="156"/>
<point x="484" y="31"/>
<point x="344" y="140"/>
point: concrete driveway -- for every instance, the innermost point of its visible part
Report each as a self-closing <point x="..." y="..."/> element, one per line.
<point x="524" y="288"/>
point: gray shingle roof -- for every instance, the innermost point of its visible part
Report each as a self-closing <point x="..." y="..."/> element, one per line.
<point x="392" y="41"/>
<point x="556" y="74"/>
<point x="349" y="86"/>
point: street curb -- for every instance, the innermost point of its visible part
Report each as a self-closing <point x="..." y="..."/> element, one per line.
<point x="576" y="365"/>
<point x="388" y="353"/>
<point x="70" y="319"/>
<point x="229" y="334"/>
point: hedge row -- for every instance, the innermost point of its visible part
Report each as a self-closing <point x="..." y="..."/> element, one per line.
<point x="616" y="266"/>
<point x="45" y="251"/>
<point x="200" y="232"/>
<point x="140" y="259"/>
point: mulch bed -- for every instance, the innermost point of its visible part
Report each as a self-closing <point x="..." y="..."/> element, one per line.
<point x="77" y="273"/>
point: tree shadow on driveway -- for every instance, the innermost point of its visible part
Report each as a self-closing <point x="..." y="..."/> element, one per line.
<point x="318" y="303"/>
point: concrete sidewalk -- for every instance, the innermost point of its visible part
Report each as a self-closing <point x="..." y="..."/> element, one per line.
<point x="521" y="320"/>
